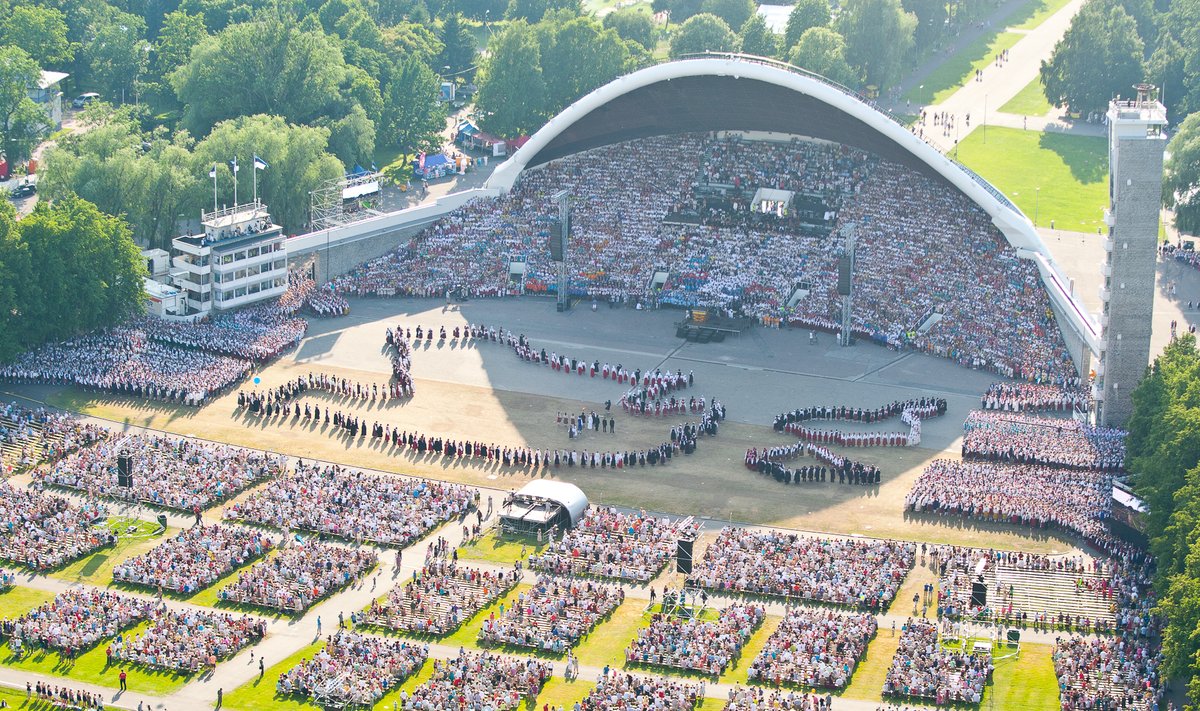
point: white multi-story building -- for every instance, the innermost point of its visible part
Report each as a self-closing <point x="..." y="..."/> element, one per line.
<point x="239" y="258"/>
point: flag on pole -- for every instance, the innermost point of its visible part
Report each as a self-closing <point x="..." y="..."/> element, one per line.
<point x="233" y="164"/>
<point x="260" y="164"/>
<point x="213" y="172"/>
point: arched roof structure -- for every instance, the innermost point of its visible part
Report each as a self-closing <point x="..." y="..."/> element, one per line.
<point x="742" y="93"/>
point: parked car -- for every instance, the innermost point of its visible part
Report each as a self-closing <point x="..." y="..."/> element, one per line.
<point x="24" y="190"/>
<point x="84" y="99"/>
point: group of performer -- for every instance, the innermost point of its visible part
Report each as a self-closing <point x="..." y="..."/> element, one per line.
<point x="838" y="469"/>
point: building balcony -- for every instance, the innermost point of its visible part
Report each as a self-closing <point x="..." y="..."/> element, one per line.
<point x="1110" y="218"/>
<point x="1109" y="244"/>
<point x="1106" y="269"/>
<point x="1105" y="320"/>
<point x="1105" y="294"/>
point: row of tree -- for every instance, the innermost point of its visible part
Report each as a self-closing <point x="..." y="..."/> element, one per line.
<point x="1164" y="450"/>
<point x="156" y="178"/>
<point x="1111" y="45"/>
<point x="67" y="268"/>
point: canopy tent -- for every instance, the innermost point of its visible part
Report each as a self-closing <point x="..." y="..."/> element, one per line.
<point x="541" y="506"/>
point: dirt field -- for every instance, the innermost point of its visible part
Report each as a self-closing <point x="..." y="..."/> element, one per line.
<point x="454" y="399"/>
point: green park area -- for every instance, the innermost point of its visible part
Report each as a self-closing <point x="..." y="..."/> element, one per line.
<point x="958" y="68"/>
<point x="1052" y="177"/>
<point x="1030" y="101"/>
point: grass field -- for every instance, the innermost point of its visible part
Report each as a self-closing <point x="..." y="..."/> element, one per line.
<point x="1071" y="172"/>
<point x="96" y="569"/>
<point x="1030" y="101"/>
<point x="492" y="549"/>
<point x="18" y="600"/>
<point x="959" y="68"/>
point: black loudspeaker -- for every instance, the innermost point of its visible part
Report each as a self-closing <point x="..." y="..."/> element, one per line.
<point x="683" y="556"/>
<point x="560" y="306"/>
<point x="1014" y="636"/>
<point x="978" y="595"/>
<point x="124" y="472"/>
<point x="162" y="521"/>
<point x="556" y="240"/>
<point x="844" y="275"/>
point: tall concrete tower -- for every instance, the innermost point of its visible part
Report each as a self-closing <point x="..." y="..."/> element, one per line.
<point x="1136" y="139"/>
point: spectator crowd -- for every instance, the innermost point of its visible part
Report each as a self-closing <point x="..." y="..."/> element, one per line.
<point x="553" y="615"/>
<point x="169" y="472"/>
<point x="926" y="668"/>
<point x="813" y="649"/>
<point x="194" y="559"/>
<point x="863" y="573"/>
<point x="609" y="544"/>
<point x="696" y="643"/>
<point x="352" y="670"/>
<point x="354" y="505"/>
<point x="298" y="576"/>
<point x="1034" y="439"/>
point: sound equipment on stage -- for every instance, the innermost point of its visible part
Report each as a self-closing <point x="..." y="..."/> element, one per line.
<point x="978" y="595"/>
<point x="844" y="275"/>
<point x="683" y="556"/>
<point x="125" y="472"/>
<point x="557" y="239"/>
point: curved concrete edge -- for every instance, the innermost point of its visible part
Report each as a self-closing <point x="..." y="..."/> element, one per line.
<point x="1014" y="225"/>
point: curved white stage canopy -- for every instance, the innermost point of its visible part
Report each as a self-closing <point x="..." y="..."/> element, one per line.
<point x="590" y="122"/>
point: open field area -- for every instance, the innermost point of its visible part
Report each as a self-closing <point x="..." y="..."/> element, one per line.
<point x="1050" y="176"/>
<point x="1030" y="101"/>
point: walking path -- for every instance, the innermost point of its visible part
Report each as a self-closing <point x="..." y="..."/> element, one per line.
<point x="981" y="100"/>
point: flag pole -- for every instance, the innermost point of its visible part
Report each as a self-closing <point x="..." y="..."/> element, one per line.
<point x="214" y="177"/>
<point x="254" y="171"/>
<point x="235" y="171"/>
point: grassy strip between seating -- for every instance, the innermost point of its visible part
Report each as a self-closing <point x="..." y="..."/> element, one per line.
<point x="867" y="683"/>
<point x="607" y="644"/>
<point x="261" y="694"/>
<point x="18" y="600"/>
<point x="492" y="549"/>
<point x="736" y="674"/>
<point x="1071" y="172"/>
<point x="96" y="569"/>
<point x="92" y="667"/>
<point x="1030" y="101"/>
<point x="1024" y="682"/>
<point x="467" y="634"/>
<point x="959" y="68"/>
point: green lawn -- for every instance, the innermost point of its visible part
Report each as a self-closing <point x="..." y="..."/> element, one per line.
<point x="959" y="68"/>
<point x="607" y="644"/>
<point x="1035" y="14"/>
<point x="1071" y="172"/>
<point x="1026" y="682"/>
<point x="96" y="569"/>
<point x="506" y="551"/>
<point x="17" y="600"/>
<point x="1030" y="101"/>
<point x="867" y="682"/>
<point x="92" y="667"/>
<point x="260" y="693"/>
<point x="736" y="674"/>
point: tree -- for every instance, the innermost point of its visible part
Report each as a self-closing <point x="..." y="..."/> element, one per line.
<point x="22" y="122"/>
<point x="679" y="10"/>
<point x="1099" y="56"/>
<point x="1181" y="177"/>
<point x="1164" y="451"/>
<point x="581" y="57"/>
<point x="1182" y="23"/>
<point x="879" y="35"/>
<point x="703" y="33"/>
<point x="512" y="90"/>
<point x="117" y="52"/>
<point x="806" y="14"/>
<point x="297" y="156"/>
<point x="458" y="46"/>
<point x="823" y="51"/>
<point x="756" y="38"/>
<point x="352" y="138"/>
<point x="413" y="118"/>
<point x="633" y="24"/>
<point x="180" y="33"/>
<point x="407" y="38"/>
<point x="77" y="249"/>
<point x="270" y="66"/>
<point x="931" y="19"/>
<point x="534" y="10"/>
<point x="147" y="177"/>
<point x="41" y="31"/>
<point x="733" y="12"/>
<point x="1167" y="69"/>
<point x="18" y="285"/>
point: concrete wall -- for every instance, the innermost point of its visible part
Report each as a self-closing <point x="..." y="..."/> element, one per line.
<point x="336" y="251"/>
